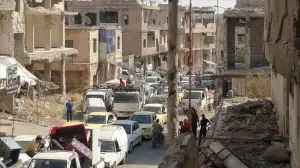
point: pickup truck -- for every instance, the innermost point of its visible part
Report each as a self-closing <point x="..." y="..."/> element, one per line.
<point x="66" y="159"/>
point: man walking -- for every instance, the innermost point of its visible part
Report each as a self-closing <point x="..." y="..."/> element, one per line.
<point x="203" y="130"/>
<point x="195" y="121"/>
<point x="69" y="107"/>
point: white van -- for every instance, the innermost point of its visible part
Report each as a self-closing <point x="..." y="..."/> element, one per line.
<point x="93" y="105"/>
<point x="114" y="145"/>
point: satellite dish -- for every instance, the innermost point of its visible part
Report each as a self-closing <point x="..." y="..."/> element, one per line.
<point x="87" y="20"/>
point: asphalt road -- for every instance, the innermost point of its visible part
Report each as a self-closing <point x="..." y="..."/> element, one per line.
<point x="144" y="156"/>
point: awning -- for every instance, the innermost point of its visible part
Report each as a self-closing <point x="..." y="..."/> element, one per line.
<point x="25" y="75"/>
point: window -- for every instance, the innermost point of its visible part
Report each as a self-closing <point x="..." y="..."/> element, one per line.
<point x="154" y="21"/>
<point x="96" y="119"/>
<point x="69" y="43"/>
<point x="117" y="145"/>
<point x="144" y="43"/>
<point x="109" y="17"/>
<point x="241" y="38"/>
<point x="73" y="163"/>
<point x="17" y="7"/>
<point x="90" y="19"/>
<point x="126" y="19"/>
<point x="94" y="45"/>
<point x="118" y="42"/>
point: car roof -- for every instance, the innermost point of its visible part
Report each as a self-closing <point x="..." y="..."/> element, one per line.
<point x="25" y="137"/>
<point x="153" y="105"/>
<point x="100" y="113"/>
<point x="108" y="131"/>
<point x="144" y="113"/>
<point x="125" y="122"/>
<point x="160" y="96"/>
<point x="55" y="155"/>
<point x="96" y="92"/>
<point x="154" y="77"/>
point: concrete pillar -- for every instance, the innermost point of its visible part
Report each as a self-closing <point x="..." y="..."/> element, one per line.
<point x="47" y="31"/>
<point x="247" y="42"/>
<point x="47" y="71"/>
<point x="98" y="18"/>
<point x="29" y="28"/>
<point x="297" y="123"/>
<point x="62" y="31"/>
<point x="47" y="4"/>
<point x="63" y="75"/>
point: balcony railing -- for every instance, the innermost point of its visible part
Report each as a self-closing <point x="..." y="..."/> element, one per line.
<point x="163" y="48"/>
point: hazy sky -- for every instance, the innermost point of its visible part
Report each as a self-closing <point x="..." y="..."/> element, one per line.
<point x="200" y="3"/>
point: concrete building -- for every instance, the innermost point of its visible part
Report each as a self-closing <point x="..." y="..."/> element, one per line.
<point x="248" y="20"/>
<point x="203" y="24"/>
<point x="282" y="50"/>
<point x="34" y="32"/>
<point x="141" y="31"/>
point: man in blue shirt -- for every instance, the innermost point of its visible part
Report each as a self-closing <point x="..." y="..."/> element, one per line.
<point x="69" y="107"/>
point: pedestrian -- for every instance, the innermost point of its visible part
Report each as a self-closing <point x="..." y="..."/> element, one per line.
<point x="195" y="121"/>
<point x="69" y="107"/>
<point x="203" y="130"/>
<point x="122" y="83"/>
<point x="33" y="146"/>
<point x="186" y="126"/>
<point x="181" y="130"/>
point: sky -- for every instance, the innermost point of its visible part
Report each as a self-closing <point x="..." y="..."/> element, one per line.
<point x="222" y="3"/>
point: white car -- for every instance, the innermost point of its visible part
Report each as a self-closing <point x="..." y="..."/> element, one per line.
<point x="133" y="131"/>
<point x="23" y="141"/>
<point x="152" y="80"/>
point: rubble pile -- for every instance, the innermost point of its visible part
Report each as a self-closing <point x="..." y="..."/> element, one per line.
<point x="251" y="119"/>
<point x="47" y="88"/>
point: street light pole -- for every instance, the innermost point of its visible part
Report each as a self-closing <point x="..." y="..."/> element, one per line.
<point x="190" y="57"/>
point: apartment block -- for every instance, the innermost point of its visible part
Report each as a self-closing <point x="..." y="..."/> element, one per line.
<point x="140" y="30"/>
<point x="282" y="50"/>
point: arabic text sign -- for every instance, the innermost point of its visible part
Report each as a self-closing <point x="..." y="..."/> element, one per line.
<point x="12" y="80"/>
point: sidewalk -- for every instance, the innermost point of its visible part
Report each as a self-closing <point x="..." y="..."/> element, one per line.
<point x="22" y="128"/>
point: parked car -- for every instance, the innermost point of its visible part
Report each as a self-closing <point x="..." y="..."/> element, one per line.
<point x="106" y="94"/>
<point x="133" y="131"/>
<point x="145" y="120"/>
<point x="99" y="119"/>
<point x="24" y="141"/>
<point x="114" y="145"/>
<point x="160" y="99"/>
<point x="93" y="105"/>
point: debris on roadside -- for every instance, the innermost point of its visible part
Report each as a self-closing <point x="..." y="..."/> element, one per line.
<point x="243" y="118"/>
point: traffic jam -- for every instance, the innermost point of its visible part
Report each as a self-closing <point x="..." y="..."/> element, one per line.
<point x="117" y="116"/>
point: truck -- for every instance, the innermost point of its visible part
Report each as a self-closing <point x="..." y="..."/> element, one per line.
<point x="127" y="101"/>
<point x="72" y="147"/>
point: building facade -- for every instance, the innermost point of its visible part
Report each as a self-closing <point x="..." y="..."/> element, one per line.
<point x="282" y="50"/>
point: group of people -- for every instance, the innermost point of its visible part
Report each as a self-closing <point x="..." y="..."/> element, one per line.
<point x="191" y="126"/>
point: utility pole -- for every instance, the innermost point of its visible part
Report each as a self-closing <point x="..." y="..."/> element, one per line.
<point x="217" y="37"/>
<point x="190" y="58"/>
<point x="172" y="71"/>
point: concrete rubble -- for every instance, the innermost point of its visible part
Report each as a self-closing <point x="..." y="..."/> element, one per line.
<point x="242" y="118"/>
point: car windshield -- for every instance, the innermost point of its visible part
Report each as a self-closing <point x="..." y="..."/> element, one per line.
<point x="157" y="110"/>
<point x="23" y="145"/>
<point x="127" y="127"/>
<point x="94" y="96"/>
<point x="151" y="80"/>
<point x="108" y="146"/>
<point x="42" y="163"/>
<point x="96" y="119"/>
<point x="194" y="95"/>
<point x="141" y="119"/>
<point x="95" y="109"/>
<point x="126" y="98"/>
<point x="158" y="100"/>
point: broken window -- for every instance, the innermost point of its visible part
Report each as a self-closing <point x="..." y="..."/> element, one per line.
<point x="17" y="7"/>
<point x="118" y="42"/>
<point x="241" y="38"/>
<point x="90" y="19"/>
<point x="145" y="16"/>
<point x="144" y="43"/>
<point x="154" y="22"/>
<point x="151" y="39"/>
<point x="126" y="19"/>
<point x="69" y="43"/>
<point x="78" y="19"/>
<point x="109" y="17"/>
<point x="94" y="45"/>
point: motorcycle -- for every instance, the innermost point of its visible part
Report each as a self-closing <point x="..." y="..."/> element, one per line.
<point x="157" y="140"/>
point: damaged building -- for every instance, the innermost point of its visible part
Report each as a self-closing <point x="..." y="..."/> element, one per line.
<point x="282" y="50"/>
<point x="243" y="46"/>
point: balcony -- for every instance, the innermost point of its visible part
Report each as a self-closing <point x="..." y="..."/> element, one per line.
<point x="150" y="51"/>
<point x="163" y="48"/>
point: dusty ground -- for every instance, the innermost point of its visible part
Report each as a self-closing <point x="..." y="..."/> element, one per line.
<point x="48" y="110"/>
<point x="250" y="119"/>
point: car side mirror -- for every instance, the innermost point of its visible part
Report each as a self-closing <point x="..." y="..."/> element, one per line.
<point x="118" y="150"/>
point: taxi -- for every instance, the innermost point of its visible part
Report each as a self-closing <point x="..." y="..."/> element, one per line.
<point x="145" y="119"/>
<point x="159" y="109"/>
<point x="99" y="119"/>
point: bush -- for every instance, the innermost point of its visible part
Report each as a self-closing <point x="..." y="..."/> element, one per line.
<point x="258" y="86"/>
